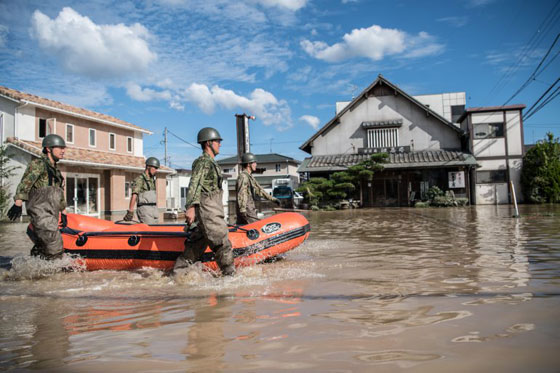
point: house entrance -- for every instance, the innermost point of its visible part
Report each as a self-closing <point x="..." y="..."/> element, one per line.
<point x="82" y="194"/>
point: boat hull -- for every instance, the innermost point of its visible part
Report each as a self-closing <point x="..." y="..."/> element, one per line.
<point x="105" y="245"/>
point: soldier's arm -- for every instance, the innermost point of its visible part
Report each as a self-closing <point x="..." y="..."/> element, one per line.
<point x="195" y="185"/>
<point x="259" y="190"/>
<point x="242" y="192"/>
<point x="30" y="177"/>
<point x="137" y="185"/>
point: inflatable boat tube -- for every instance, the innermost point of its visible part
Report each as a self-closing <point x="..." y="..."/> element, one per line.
<point x="103" y="244"/>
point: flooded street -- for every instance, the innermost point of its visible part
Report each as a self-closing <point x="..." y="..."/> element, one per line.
<point x="425" y="290"/>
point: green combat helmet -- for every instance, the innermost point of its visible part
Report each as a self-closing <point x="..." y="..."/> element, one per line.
<point x="247" y="158"/>
<point x="208" y="134"/>
<point x="152" y="161"/>
<point x="53" y="140"/>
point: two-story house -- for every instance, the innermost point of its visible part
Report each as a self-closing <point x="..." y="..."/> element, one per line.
<point x="496" y="140"/>
<point x="426" y="148"/>
<point x="103" y="156"/>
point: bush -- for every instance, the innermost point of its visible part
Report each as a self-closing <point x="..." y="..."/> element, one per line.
<point x="540" y="176"/>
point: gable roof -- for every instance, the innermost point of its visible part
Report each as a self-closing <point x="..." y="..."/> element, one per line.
<point x="306" y="147"/>
<point x="59" y="107"/>
<point x="261" y="158"/>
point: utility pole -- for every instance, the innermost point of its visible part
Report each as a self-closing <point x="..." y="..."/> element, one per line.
<point x="165" y="147"/>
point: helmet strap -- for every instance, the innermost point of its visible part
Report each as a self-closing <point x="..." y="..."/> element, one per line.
<point x="52" y="156"/>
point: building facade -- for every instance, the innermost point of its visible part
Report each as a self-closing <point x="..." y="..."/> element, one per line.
<point x="495" y="138"/>
<point x="425" y="147"/>
<point x="103" y="156"/>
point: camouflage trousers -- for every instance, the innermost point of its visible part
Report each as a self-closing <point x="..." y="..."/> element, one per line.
<point x="249" y="215"/>
<point x="211" y="231"/>
<point x="44" y="209"/>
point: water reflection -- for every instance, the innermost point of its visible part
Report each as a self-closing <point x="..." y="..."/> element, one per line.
<point x="380" y="289"/>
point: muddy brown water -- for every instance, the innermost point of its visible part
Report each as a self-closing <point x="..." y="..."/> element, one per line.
<point x="384" y="290"/>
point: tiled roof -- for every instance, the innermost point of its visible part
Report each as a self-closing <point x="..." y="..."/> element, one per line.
<point x="420" y="159"/>
<point x="87" y="157"/>
<point x="55" y="105"/>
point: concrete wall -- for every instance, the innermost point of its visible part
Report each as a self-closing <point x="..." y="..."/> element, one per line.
<point x="441" y="103"/>
<point x="418" y="130"/>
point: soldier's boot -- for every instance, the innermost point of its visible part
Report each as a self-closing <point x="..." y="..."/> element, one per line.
<point x="224" y="259"/>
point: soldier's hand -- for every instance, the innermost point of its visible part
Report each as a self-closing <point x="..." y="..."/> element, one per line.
<point x="129" y="216"/>
<point x="190" y="215"/>
<point x="63" y="220"/>
<point x="14" y="212"/>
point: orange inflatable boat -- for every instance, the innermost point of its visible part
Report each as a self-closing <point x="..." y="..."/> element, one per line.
<point x="110" y="245"/>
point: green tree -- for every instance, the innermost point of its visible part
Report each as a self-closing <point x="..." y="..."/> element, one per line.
<point x="341" y="185"/>
<point x="364" y="171"/>
<point x="540" y="176"/>
<point x="6" y="172"/>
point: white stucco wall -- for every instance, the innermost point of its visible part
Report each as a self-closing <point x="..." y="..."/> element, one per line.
<point x="491" y="194"/>
<point x="441" y="102"/>
<point x="515" y="166"/>
<point x="25" y="123"/>
<point x="138" y="144"/>
<point x="514" y="133"/>
<point x="348" y="135"/>
<point x="7" y="110"/>
<point x="489" y="147"/>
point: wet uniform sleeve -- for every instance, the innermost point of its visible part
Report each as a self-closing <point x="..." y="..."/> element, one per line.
<point x="30" y="177"/>
<point x="242" y="192"/>
<point x="138" y="185"/>
<point x="195" y="185"/>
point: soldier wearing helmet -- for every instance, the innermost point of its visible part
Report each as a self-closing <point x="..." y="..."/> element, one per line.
<point x="248" y="189"/>
<point x="42" y="189"/>
<point x="144" y="193"/>
<point x="204" y="206"/>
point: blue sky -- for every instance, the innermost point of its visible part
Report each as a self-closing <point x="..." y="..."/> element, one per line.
<point x="187" y="64"/>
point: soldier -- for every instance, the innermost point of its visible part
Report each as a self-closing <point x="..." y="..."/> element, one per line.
<point x="144" y="192"/>
<point x="42" y="189"/>
<point x="247" y="189"/>
<point x="204" y="205"/>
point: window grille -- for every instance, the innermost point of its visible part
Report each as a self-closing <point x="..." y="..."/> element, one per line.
<point x="383" y="137"/>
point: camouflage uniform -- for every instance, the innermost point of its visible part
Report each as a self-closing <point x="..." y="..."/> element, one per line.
<point x="205" y="194"/>
<point x="145" y="188"/>
<point x="42" y="187"/>
<point x="247" y="190"/>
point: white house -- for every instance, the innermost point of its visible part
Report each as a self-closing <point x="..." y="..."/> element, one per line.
<point x="495" y="138"/>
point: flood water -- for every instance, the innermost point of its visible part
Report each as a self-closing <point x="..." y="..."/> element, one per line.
<point x="422" y="290"/>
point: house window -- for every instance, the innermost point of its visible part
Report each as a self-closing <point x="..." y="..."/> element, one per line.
<point x="491" y="177"/>
<point x="129" y="144"/>
<point x="278" y="167"/>
<point x="456" y="112"/>
<point x="488" y="130"/>
<point x="112" y="141"/>
<point x="127" y="188"/>
<point x="69" y="133"/>
<point x="92" y="137"/>
<point x="43" y="128"/>
<point x="383" y="137"/>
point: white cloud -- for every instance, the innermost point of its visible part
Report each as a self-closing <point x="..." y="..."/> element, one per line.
<point x="477" y="3"/>
<point x="146" y="94"/>
<point x="311" y="120"/>
<point x="3" y="35"/>
<point x="292" y="5"/>
<point x="93" y="50"/>
<point x="259" y="103"/>
<point x="454" y="21"/>
<point x="374" y="43"/>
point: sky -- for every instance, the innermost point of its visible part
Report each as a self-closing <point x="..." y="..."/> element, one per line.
<point x="188" y="64"/>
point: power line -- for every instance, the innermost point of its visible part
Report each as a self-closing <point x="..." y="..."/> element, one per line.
<point x="533" y="42"/>
<point x="183" y="140"/>
<point x="553" y="95"/>
<point x="536" y="72"/>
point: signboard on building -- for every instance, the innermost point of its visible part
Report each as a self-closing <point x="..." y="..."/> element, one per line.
<point x="456" y="179"/>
